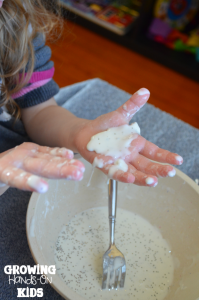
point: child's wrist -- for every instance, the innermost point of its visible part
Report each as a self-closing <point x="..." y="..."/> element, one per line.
<point x="74" y="133"/>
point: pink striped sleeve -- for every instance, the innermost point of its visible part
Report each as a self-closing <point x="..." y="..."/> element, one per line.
<point x="38" y="76"/>
<point x="30" y="88"/>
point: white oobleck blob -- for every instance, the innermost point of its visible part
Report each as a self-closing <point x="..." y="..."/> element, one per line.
<point x="114" y="142"/>
<point x="119" y="164"/>
<point x="98" y="163"/>
<point x="82" y="242"/>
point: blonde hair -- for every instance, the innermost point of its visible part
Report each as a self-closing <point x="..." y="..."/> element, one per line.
<point x="16" y="48"/>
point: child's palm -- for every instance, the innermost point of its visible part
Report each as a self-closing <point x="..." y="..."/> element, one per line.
<point x="140" y="167"/>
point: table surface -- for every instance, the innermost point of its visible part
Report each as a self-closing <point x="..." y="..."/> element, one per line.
<point x="87" y="100"/>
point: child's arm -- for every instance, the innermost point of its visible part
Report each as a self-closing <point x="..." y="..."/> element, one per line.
<point x="49" y="124"/>
<point x="52" y="125"/>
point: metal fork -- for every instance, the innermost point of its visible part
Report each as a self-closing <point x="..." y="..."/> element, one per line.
<point x="114" y="264"/>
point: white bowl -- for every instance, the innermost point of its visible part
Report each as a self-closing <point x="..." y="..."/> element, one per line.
<point x="172" y="206"/>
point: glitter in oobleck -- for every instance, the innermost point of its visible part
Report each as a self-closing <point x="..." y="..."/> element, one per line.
<point x="83" y="241"/>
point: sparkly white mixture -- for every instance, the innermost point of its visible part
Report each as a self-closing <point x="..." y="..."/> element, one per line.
<point x="83" y="241"/>
<point x="114" y="142"/>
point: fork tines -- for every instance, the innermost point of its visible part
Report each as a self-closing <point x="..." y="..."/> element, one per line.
<point x="113" y="276"/>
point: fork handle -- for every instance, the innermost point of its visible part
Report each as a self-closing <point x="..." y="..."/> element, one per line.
<point x="112" y="206"/>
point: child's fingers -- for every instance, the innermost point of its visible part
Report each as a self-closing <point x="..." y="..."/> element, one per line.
<point x="134" y="104"/>
<point x="43" y="161"/>
<point x="35" y="149"/>
<point x="118" y="175"/>
<point x="125" y="177"/>
<point x="53" y="168"/>
<point x="58" y="161"/>
<point x="37" y="160"/>
<point x="104" y="163"/>
<point x="146" y="166"/>
<point x="23" y="180"/>
<point x="142" y="178"/>
<point x="153" y="152"/>
<point x="62" y="152"/>
<point x="132" y="176"/>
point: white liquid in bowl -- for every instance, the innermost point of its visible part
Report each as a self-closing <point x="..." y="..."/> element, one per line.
<point x="83" y="241"/>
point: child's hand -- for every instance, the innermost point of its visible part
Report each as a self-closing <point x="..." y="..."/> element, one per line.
<point x="18" y="165"/>
<point x="141" y="170"/>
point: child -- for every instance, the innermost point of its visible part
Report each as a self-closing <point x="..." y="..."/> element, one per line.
<point x="28" y="90"/>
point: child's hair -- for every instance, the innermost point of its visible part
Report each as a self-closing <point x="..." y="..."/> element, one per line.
<point x="16" y="49"/>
